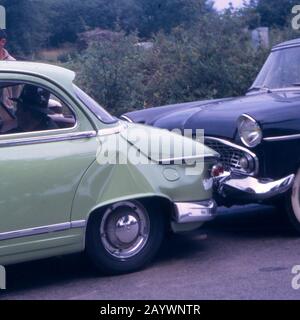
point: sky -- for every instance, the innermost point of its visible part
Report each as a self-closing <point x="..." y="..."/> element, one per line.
<point x="222" y="4"/>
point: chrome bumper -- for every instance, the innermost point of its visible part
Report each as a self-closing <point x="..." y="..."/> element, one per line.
<point x="187" y="212"/>
<point x="250" y="188"/>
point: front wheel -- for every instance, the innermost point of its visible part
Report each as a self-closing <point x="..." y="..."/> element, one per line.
<point x="124" y="237"/>
<point x="292" y="204"/>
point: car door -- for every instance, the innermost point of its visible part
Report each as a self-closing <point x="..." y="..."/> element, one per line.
<point x="39" y="174"/>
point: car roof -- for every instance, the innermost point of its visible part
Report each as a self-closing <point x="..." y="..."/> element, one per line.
<point x="287" y="44"/>
<point x="60" y="75"/>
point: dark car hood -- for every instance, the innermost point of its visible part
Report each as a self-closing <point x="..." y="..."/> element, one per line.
<point x="219" y="117"/>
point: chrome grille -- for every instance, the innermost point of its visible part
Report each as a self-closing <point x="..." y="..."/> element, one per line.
<point x="230" y="156"/>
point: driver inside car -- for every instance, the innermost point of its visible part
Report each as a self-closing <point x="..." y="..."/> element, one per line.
<point x="33" y="110"/>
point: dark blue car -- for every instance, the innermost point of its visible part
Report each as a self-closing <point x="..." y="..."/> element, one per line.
<point x="257" y="135"/>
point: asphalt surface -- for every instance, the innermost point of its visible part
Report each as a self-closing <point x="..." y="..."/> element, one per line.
<point x="247" y="253"/>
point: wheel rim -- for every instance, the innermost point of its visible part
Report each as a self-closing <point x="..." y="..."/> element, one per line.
<point x="125" y="229"/>
<point x="296" y="196"/>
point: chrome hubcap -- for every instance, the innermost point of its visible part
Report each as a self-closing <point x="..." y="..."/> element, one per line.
<point x="125" y="229"/>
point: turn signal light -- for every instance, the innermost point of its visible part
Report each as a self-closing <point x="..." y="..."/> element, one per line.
<point x="217" y="170"/>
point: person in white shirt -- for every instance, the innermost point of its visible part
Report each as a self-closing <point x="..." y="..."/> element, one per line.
<point x="4" y="55"/>
<point x="10" y="92"/>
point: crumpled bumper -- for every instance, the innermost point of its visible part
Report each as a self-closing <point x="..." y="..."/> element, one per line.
<point x="245" y="188"/>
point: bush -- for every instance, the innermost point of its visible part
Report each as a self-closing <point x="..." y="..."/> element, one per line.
<point x="110" y="72"/>
<point x="212" y="59"/>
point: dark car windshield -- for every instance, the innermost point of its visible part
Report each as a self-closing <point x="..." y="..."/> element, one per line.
<point x="94" y="107"/>
<point x="281" y="70"/>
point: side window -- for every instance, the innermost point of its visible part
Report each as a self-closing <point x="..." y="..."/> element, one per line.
<point x="29" y="108"/>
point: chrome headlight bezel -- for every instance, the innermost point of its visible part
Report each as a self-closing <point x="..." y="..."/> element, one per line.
<point x="249" y="131"/>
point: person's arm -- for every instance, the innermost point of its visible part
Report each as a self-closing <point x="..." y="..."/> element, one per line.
<point x="16" y="91"/>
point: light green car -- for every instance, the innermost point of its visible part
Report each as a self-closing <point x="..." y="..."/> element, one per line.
<point x="58" y="193"/>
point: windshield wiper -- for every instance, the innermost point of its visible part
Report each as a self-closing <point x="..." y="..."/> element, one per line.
<point x="258" y="88"/>
<point x="296" y="84"/>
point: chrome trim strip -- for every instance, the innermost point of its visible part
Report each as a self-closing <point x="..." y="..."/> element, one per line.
<point x="249" y="117"/>
<point x="287" y="89"/>
<point x="202" y="156"/>
<point x="233" y="145"/>
<point x="30" y="133"/>
<point x="245" y="115"/>
<point x="78" y="224"/>
<point x="282" y="47"/>
<point x="42" y="230"/>
<point x="126" y="119"/>
<point x="113" y="130"/>
<point x="283" y="138"/>
<point x="50" y="138"/>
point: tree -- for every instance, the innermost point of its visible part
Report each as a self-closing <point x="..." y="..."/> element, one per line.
<point x="271" y="13"/>
<point x="27" y="25"/>
<point x="214" y="58"/>
<point x="166" y="14"/>
<point x="111" y="72"/>
<point x="71" y="17"/>
<point x="34" y="24"/>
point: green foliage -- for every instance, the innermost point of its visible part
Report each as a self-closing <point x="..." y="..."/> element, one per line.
<point x="69" y="17"/>
<point x="26" y="25"/>
<point x="212" y="59"/>
<point x="110" y="72"/>
<point x="164" y="15"/>
<point x="35" y="24"/>
<point x="270" y="13"/>
<point x="197" y="53"/>
<point x="279" y="35"/>
<point x="206" y="64"/>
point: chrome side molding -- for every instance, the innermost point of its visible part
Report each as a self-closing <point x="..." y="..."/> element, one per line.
<point x="113" y="130"/>
<point x="42" y="230"/>
<point x="126" y="119"/>
<point x="49" y="138"/>
<point x="283" y="138"/>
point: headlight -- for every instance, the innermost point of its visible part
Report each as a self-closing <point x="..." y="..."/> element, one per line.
<point x="249" y="131"/>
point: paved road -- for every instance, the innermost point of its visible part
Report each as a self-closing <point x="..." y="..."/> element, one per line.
<point x="247" y="253"/>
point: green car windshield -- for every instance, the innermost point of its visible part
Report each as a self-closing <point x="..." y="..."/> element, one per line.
<point x="281" y="70"/>
<point x="94" y="107"/>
